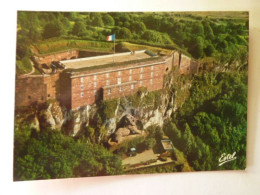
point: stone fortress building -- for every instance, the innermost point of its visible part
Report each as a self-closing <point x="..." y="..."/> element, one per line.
<point x="79" y="82"/>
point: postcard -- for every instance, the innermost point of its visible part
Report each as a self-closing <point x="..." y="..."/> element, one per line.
<point x="116" y="93"/>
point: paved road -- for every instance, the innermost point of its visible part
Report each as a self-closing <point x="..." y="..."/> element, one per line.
<point x="142" y="157"/>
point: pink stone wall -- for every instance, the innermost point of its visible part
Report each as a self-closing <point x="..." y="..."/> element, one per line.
<point x="84" y="87"/>
<point x="47" y="59"/>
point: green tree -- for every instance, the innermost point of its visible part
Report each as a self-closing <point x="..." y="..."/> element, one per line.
<point x="156" y="37"/>
<point x="50" y="154"/>
<point x="22" y="46"/>
<point x="124" y="33"/>
<point x="97" y="20"/>
<point x="189" y="140"/>
<point x="196" y="47"/>
<point x="79" y="28"/>
<point x="208" y="31"/>
<point x="149" y="143"/>
<point x="209" y="50"/>
<point x="53" y="29"/>
<point x="173" y="133"/>
<point x="66" y="24"/>
<point x="198" y="29"/>
<point x="138" y="27"/>
<point x="34" y="34"/>
<point x="108" y="20"/>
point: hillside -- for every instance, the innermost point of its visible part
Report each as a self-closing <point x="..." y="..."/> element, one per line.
<point x="199" y="34"/>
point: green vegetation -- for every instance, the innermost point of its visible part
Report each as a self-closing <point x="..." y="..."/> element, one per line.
<point x="212" y="120"/>
<point x="55" y="45"/>
<point x="23" y="66"/>
<point x="137" y="143"/>
<point x="108" y="108"/>
<point x="50" y="154"/>
<point x="196" y="33"/>
<point x="146" y="99"/>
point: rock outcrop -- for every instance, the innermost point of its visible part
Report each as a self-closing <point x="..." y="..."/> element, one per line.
<point x="52" y="116"/>
<point x="127" y="127"/>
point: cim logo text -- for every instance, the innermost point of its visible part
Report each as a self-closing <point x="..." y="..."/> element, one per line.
<point x="224" y="158"/>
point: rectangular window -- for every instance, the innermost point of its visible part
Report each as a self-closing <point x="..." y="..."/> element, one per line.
<point x="131" y="71"/>
<point x="141" y="76"/>
<point x="152" y="67"/>
<point x="130" y="78"/>
<point x="142" y="69"/>
<point x="95" y="84"/>
<point x="82" y="94"/>
<point x="132" y="86"/>
<point x="82" y="79"/>
<point x="151" y="74"/>
<point x="151" y="81"/>
<point x="120" y="89"/>
<point x="107" y="75"/>
<point x="95" y="92"/>
<point x="95" y="77"/>
<point x="81" y="87"/>
<point x="107" y="82"/>
<point x="109" y="91"/>
<point x="141" y="83"/>
<point x="119" y="73"/>
<point x="118" y="80"/>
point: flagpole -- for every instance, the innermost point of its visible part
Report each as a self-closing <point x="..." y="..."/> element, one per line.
<point x="114" y="48"/>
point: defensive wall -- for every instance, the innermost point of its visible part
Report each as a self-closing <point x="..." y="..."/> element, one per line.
<point x="48" y="59"/>
<point x="36" y="88"/>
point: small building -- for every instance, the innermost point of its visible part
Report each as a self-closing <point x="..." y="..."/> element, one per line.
<point x="167" y="145"/>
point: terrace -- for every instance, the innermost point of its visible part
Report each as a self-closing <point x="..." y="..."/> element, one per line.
<point x="86" y="63"/>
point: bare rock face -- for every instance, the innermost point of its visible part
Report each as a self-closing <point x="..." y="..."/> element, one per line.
<point x="127" y="127"/>
<point x="34" y="123"/>
<point x="52" y="116"/>
<point x="120" y="133"/>
<point x="155" y="118"/>
<point x="78" y="118"/>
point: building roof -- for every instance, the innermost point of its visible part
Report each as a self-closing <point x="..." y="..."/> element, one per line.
<point x="105" y="59"/>
<point x="167" y="145"/>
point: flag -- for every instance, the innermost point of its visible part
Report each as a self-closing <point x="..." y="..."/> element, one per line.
<point x="111" y="37"/>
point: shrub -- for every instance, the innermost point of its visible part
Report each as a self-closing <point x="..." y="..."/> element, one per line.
<point x="23" y="66"/>
<point x="108" y="108"/>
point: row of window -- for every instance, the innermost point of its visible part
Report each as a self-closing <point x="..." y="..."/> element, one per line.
<point x="82" y="93"/>
<point x="119" y="81"/>
<point x="119" y="74"/>
<point x="120" y="88"/>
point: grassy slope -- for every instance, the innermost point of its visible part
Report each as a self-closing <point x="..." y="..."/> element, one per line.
<point x="23" y="66"/>
<point x="53" y="46"/>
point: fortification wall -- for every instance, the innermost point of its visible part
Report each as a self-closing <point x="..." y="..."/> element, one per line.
<point x="29" y="90"/>
<point x="188" y="65"/>
<point x="176" y="58"/>
<point x="47" y="59"/>
<point x="36" y="89"/>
